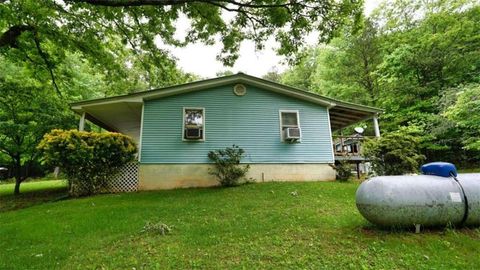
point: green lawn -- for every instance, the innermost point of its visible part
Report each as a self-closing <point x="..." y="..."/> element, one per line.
<point x="252" y="226"/>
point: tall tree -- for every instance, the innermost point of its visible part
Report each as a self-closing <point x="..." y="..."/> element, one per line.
<point x="111" y="34"/>
<point x="345" y="68"/>
<point x="411" y="58"/>
<point x="25" y="118"/>
<point x="348" y="69"/>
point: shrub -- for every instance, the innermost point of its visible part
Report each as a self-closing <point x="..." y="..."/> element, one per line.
<point x="344" y="170"/>
<point x="88" y="159"/>
<point x="395" y="153"/>
<point x="227" y="168"/>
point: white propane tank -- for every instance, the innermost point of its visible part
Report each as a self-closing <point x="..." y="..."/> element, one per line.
<point x="427" y="200"/>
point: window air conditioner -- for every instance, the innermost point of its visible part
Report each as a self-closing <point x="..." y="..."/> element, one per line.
<point x="193" y="133"/>
<point x="292" y="134"/>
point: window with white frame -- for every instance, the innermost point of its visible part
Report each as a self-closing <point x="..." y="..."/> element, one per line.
<point x="290" y="125"/>
<point x="193" y="124"/>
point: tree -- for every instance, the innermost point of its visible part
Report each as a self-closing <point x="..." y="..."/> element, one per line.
<point x="301" y="75"/>
<point x="273" y="75"/>
<point x="53" y="54"/>
<point x="224" y="73"/>
<point x="466" y="114"/>
<point x="43" y="34"/>
<point x="109" y="33"/>
<point x="348" y="69"/>
<point x="345" y="68"/>
<point x="428" y="57"/>
<point x="395" y="153"/>
<point x="410" y="58"/>
<point x="288" y="21"/>
<point x="24" y="118"/>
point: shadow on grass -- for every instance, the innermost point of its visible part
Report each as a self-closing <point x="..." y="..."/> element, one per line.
<point x="10" y="202"/>
<point x="374" y="230"/>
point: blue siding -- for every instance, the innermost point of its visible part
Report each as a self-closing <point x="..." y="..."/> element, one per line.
<point x="250" y="121"/>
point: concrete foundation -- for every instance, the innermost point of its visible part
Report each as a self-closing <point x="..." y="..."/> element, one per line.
<point x="169" y="176"/>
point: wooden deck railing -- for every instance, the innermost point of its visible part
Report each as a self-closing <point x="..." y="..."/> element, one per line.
<point x="348" y="146"/>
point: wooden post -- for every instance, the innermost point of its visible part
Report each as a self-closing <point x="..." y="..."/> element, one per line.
<point x="358" y="169"/>
<point x="81" y="124"/>
<point x="342" y="151"/>
<point x="375" y="126"/>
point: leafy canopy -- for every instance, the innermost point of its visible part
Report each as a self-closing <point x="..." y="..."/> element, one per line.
<point x="417" y="60"/>
<point x="120" y="37"/>
<point x="465" y="112"/>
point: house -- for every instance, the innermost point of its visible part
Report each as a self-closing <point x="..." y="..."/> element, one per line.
<point x="286" y="132"/>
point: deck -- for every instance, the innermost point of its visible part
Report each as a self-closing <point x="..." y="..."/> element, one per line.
<point x="348" y="147"/>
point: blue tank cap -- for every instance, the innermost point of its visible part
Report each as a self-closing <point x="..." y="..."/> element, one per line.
<point x="444" y="169"/>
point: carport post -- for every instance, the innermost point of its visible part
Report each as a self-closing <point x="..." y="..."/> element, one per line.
<point x="375" y="126"/>
<point x="81" y="124"/>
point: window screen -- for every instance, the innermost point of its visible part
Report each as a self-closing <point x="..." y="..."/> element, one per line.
<point x="289" y="119"/>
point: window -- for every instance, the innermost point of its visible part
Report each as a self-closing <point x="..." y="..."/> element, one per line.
<point x="289" y="120"/>
<point x="193" y="124"/>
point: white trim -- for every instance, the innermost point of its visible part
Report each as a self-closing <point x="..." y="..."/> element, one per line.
<point x="141" y="134"/>
<point x="203" y="124"/>
<point x="281" y="125"/>
<point x="330" y="134"/>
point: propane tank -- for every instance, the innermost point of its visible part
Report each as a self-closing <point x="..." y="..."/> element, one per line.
<point x="438" y="198"/>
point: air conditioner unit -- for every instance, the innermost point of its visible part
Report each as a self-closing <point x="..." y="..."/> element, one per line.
<point x="292" y="134"/>
<point x="193" y="133"/>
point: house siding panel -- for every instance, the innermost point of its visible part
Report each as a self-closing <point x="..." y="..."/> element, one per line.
<point x="250" y="121"/>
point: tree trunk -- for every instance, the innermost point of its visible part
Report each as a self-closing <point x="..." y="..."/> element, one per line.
<point x="17" y="187"/>
<point x="18" y="174"/>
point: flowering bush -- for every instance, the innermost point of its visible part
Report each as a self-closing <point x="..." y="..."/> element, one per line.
<point x="88" y="159"/>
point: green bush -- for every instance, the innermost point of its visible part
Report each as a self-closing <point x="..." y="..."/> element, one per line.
<point x="227" y="168"/>
<point x="344" y="170"/>
<point x="395" y="153"/>
<point x="88" y="159"/>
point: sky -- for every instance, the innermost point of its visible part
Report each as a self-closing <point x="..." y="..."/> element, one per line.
<point x="200" y="59"/>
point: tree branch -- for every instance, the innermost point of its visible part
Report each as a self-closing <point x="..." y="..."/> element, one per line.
<point x="48" y="64"/>
<point x="9" y="37"/>
<point x="136" y="3"/>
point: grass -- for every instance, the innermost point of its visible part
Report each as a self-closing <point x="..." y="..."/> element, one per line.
<point x="311" y="225"/>
<point x="470" y="170"/>
<point x="31" y="193"/>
